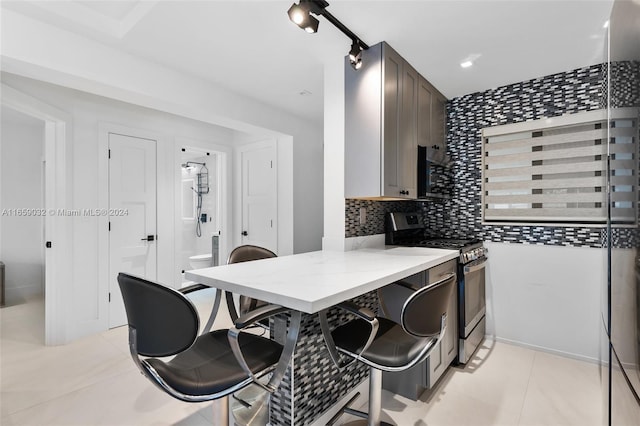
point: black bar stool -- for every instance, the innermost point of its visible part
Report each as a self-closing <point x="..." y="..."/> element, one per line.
<point x="385" y="345"/>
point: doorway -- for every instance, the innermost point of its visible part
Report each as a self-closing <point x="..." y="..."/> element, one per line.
<point x="54" y="181"/>
<point x="132" y="215"/>
<point x="22" y="222"/>
<point x="201" y="207"/>
<point x="259" y="194"/>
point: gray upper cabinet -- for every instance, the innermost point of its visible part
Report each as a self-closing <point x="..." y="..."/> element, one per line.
<point x="381" y="126"/>
<point x="431" y="116"/>
<point x="384" y="123"/>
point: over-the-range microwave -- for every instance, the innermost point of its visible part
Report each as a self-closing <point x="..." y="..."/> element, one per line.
<point x="435" y="176"/>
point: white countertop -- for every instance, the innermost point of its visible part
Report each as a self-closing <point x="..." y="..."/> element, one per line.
<point x="310" y="282"/>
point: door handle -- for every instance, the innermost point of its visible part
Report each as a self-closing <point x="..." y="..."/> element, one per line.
<point x="245" y="233"/>
<point x="149" y="238"/>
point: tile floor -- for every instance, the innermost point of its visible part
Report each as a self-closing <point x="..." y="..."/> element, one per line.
<point x="94" y="382"/>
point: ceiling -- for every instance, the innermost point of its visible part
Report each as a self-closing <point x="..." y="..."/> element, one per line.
<point x="252" y="48"/>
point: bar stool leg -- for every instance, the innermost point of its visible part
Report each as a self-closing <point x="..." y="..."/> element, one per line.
<point x="221" y="411"/>
<point x="375" y="396"/>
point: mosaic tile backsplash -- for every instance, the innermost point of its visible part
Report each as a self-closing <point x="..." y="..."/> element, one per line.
<point x="575" y="91"/>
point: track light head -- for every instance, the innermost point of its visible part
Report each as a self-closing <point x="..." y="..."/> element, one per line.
<point x="300" y="14"/>
<point x="355" y="55"/>
<point x="311" y="25"/>
<point x="297" y="14"/>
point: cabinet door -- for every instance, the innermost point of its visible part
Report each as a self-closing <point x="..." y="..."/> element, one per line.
<point x="392" y="86"/>
<point x="432" y="118"/>
<point x="439" y="121"/>
<point x="425" y="98"/>
<point x="441" y="356"/>
<point x="408" y="149"/>
<point x="447" y="349"/>
<point x="436" y="364"/>
<point x="400" y="127"/>
<point x="450" y="341"/>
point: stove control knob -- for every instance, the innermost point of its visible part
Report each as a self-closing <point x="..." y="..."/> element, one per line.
<point x="472" y="255"/>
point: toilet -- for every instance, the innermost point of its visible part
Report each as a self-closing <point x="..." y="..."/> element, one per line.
<point x="200" y="261"/>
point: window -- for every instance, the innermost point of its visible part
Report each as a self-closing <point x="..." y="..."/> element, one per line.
<point x="554" y="170"/>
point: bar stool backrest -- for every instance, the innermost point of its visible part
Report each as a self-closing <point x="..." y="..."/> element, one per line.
<point x="423" y="311"/>
<point x="166" y="322"/>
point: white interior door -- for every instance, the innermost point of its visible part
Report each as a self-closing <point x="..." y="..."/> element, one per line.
<point x="132" y="215"/>
<point x="259" y="195"/>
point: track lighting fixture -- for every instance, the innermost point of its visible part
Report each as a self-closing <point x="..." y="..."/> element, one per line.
<point x="355" y="55"/>
<point x="300" y="14"/>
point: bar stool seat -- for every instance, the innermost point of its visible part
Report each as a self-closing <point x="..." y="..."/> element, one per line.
<point x="392" y="347"/>
<point x="191" y="373"/>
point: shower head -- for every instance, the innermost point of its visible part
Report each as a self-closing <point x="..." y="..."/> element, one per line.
<point x="191" y="164"/>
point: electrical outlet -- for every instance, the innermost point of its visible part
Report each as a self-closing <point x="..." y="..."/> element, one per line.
<point x="363" y="215"/>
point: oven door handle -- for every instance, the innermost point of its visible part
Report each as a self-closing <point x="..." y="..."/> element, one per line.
<point x="476" y="267"/>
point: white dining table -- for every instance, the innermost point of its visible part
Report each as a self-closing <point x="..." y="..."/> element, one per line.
<point x="310" y="282"/>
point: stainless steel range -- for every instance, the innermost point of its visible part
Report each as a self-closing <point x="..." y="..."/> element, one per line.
<point x="408" y="229"/>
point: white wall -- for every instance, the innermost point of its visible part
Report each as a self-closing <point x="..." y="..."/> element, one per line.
<point x="91" y="115"/>
<point x="22" y="236"/>
<point x="334" y="204"/>
<point x="73" y="61"/>
<point x="546" y="297"/>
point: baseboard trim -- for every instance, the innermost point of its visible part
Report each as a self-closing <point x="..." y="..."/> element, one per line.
<point x="545" y="349"/>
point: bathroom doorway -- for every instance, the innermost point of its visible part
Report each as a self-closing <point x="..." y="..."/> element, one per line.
<point x="201" y="213"/>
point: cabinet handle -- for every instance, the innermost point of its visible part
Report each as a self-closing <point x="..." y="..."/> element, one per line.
<point x="403" y="192"/>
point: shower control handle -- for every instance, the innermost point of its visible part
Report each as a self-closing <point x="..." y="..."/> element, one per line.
<point x="149" y="238"/>
<point x="245" y="233"/>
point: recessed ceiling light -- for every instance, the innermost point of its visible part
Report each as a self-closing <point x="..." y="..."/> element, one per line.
<point x="470" y="60"/>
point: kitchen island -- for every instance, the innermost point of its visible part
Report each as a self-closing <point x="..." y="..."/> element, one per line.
<point x="311" y="282"/>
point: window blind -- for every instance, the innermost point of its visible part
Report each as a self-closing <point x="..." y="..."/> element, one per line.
<point x="554" y="170"/>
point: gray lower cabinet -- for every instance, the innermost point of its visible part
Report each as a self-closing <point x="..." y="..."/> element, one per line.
<point x="413" y="382"/>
